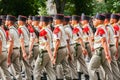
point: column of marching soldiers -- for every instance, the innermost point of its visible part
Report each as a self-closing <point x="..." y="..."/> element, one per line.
<point x="60" y="47"/>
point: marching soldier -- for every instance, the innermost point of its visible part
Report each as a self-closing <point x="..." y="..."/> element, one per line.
<point x="111" y="41"/>
<point x="60" y="50"/>
<point x="114" y="19"/>
<point x="3" y="55"/>
<point x="24" y="42"/>
<point x="79" y="47"/>
<point x="70" y="47"/>
<point x="87" y="36"/>
<point x="102" y="53"/>
<point x="14" y="47"/>
<point x="34" y="46"/>
<point x="45" y="52"/>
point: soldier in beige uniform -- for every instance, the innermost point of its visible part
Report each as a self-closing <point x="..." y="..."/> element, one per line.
<point x="102" y="53"/>
<point x="24" y="42"/>
<point x="14" y="47"/>
<point x="87" y="36"/>
<point x="111" y="40"/>
<point x="60" y="50"/>
<point x="34" y="46"/>
<point x="114" y="19"/>
<point x="3" y="55"/>
<point x="45" y="52"/>
<point x="70" y="47"/>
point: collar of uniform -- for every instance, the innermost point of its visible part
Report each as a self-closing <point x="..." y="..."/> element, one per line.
<point x="22" y="26"/>
<point x="11" y="27"/>
<point x="76" y="25"/>
<point x="85" y="25"/>
<point x="58" y="25"/>
<point x="101" y="25"/>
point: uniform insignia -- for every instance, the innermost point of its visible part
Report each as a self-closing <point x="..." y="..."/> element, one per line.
<point x="100" y="31"/>
<point x="116" y="28"/>
<point x="75" y="30"/>
<point x="42" y="33"/>
<point x="31" y="30"/>
<point x="56" y="30"/>
<point x="86" y="29"/>
<point x="19" y="31"/>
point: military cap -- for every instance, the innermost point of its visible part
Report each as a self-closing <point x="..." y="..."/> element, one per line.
<point x="107" y="15"/>
<point x="44" y="19"/>
<point x="36" y="18"/>
<point x="75" y="17"/>
<point x="10" y="18"/>
<point x="59" y="16"/>
<point x="100" y="17"/>
<point x="114" y="16"/>
<point x="67" y="18"/>
<point x="22" y="18"/>
<point x="30" y="17"/>
<point x="84" y="17"/>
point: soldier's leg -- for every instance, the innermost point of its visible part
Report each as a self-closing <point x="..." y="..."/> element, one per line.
<point x="16" y="64"/>
<point x="5" y="73"/>
<point x="72" y="64"/>
<point x="114" y="65"/>
<point x="94" y="64"/>
<point x="50" y="72"/>
<point x="39" y="65"/>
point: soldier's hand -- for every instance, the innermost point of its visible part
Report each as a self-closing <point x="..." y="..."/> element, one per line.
<point x="25" y="56"/>
<point x="116" y="55"/>
<point x="108" y="57"/>
<point x="30" y="54"/>
<point x="8" y="61"/>
<point x="92" y="49"/>
<point x="84" y="52"/>
<point x="69" y="57"/>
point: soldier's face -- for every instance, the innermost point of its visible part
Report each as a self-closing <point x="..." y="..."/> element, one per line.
<point x="35" y="23"/>
<point x="73" y="22"/>
<point x="112" y="21"/>
<point x="95" y="22"/>
<point x="83" y="22"/>
<point x="57" y="21"/>
<point x="20" y="23"/>
<point x="29" y="21"/>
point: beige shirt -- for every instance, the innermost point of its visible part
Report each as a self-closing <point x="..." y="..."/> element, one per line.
<point x="87" y="34"/>
<point x="68" y="32"/>
<point x="14" y="35"/>
<point x="25" y="34"/>
<point x="77" y="35"/>
<point x="3" y="38"/>
<point x="61" y="35"/>
<point x="46" y="38"/>
<point x="99" y="34"/>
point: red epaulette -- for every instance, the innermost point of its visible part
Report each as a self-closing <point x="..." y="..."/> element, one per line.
<point x="56" y="30"/>
<point x="42" y="33"/>
<point x="7" y="34"/>
<point x="20" y="31"/>
<point x="100" y="31"/>
<point x="116" y="28"/>
<point x="86" y="29"/>
<point x="75" y="30"/>
<point x="31" y="30"/>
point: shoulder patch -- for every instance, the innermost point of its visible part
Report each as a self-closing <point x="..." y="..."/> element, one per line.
<point x="56" y="30"/>
<point x="86" y="29"/>
<point x="101" y="31"/>
<point x="75" y="30"/>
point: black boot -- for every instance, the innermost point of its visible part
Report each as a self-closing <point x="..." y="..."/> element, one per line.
<point x="74" y="79"/>
<point x="59" y="79"/>
<point x="86" y="77"/>
<point x="44" y="76"/>
<point x="98" y="75"/>
<point x="79" y="75"/>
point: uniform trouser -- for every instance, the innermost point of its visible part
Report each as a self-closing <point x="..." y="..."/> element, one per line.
<point x="98" y="59"/>
<point x="4" y="69"/>
<point x="87" y="46"/>
<point x="72" y="64"/>
<point x="114" y="65"/>
<point x="26" y="66"/>
<point x="62" y="67"/>
<point x="41" y="64"/>
<point x="15" y="60"/>
<point x="118" y="61"/>
<point x="35" y="52"/>
<point x="79" y="58"/>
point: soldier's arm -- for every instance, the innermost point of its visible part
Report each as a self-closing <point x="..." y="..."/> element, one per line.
<point x="57" y="43"/>
<point x="106" y="48"/>
<point x="0" y="46"/>
<point x="32" y="40"/>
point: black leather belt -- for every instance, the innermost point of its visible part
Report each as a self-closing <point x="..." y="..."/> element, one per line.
<point x="35" y="45"/>
<point x="62" y="47"/>
<point x="26" y="46"/>
<point x="111" y="45"/>
<point x="4" y="51"/>
<point x="118" y="43"/>
<point x="16" y="48"/>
